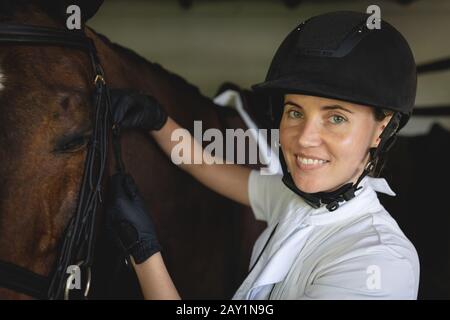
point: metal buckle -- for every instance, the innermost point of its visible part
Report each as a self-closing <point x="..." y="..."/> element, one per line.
<point x="98" y="78"/>
<point x="370" y="165"/>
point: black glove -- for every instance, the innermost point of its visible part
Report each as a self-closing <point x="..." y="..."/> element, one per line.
<point x="129" y="219"/>
<point x="131" y="109"/>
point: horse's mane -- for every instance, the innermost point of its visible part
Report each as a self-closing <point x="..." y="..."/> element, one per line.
<point x="133" y="57"/>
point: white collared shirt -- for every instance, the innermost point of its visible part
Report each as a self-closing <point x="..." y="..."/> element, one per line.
<point x="355" y="252"/>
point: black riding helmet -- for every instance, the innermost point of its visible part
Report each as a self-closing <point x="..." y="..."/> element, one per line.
<point x="335" y="55"/>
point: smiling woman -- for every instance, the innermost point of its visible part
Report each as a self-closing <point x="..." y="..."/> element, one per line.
<point x="338" y="100"/>
<point x="339" y="93"/>
<point x="325" y="141"/>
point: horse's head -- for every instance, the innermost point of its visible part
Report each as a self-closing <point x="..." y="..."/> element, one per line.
<point x="46" y="118"/>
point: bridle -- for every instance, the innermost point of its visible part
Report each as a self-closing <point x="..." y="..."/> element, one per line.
<point x="78" y="242"/>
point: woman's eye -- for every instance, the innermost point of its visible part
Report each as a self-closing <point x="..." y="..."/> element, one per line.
<point x="294" y="114"/>
<point x="336" y="119"/>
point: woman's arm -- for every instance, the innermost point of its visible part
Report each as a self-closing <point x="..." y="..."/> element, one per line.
<point x="133" y="226"/>
<point x="229" y="180"/>
<point x="127" y="210"/>
<point x="139" y="111"/>
<point x="154" y="279"/>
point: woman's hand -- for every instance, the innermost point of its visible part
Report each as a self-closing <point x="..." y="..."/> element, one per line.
<point x="131" y="109"/>
<point x="130" y="220"/>
<point x="132" y="224"/>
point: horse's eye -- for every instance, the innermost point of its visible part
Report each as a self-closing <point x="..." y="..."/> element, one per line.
<point x="72" y="144"/>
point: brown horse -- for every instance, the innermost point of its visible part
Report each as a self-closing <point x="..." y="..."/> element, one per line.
<point x="45" y="121"/>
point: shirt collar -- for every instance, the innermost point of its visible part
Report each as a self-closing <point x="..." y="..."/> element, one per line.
<point x="365" y="201"/>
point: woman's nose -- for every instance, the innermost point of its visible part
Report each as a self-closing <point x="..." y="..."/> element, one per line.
<point x="310" y="134"/>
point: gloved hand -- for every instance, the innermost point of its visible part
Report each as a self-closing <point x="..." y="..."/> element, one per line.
<point x="131" y="109"/>
<point x="129" y="219"/>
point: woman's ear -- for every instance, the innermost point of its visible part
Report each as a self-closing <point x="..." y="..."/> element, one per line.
<point x="380" y="126"/>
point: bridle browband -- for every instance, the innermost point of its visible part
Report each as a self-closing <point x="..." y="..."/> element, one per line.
<point x="78" y="242"/>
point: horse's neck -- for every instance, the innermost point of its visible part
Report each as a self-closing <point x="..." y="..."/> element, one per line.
<point x="126" y="69"/>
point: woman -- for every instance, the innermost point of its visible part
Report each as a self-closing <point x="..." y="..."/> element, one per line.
<point x="339" y="92"/>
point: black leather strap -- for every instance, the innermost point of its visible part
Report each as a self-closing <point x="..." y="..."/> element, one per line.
<point x="29" y="34"/>
<point x="35" y="34"/>
<point x="22" y="280"/>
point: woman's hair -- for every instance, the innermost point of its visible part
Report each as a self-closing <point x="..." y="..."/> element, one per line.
<point x="379" y="115"/>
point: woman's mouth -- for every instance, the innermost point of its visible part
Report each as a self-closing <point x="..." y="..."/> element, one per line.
<point x="309" y="162"/>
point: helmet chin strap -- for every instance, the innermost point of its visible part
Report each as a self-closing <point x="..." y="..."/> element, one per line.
<point x="347" y="191"/>
<point x="331" y="199"/>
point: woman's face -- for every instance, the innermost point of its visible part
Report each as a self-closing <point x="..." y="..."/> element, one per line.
<point x="325" y="142"/>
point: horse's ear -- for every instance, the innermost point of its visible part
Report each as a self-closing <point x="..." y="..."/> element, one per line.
<point x="58" y="9"/>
